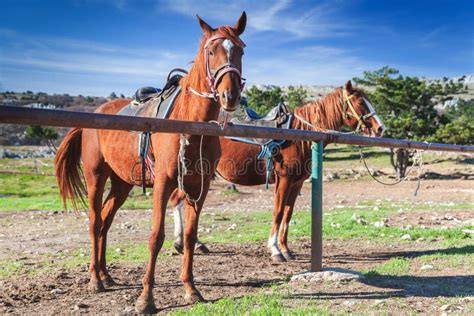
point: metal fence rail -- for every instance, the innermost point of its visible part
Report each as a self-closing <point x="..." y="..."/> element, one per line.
<point x="28" y="116"/>
<point x="20" y="115"/>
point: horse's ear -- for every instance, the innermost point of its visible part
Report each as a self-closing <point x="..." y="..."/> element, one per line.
<point x="349" y="86"/>
<point x="239" y="27"/>
<point x="206" y="28"/>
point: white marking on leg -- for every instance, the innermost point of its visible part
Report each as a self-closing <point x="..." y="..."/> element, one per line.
<point x="178" y="221"/>
<point x="273" y="244"/>
<point x="228" y="45"/>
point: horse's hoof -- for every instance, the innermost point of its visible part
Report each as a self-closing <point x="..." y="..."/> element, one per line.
<point x="278" y="258"/>
<point x="179" y="247"/>
<point x="193" y="297"/>
<point x="288" y="255"/>
<point x="145" y="305"/>
<point x="96" y="286"/>
<point x="202" y="248"/>
<point x="108" y="281"/>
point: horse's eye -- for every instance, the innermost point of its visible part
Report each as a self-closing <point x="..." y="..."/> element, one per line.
<point x="211" y="53"/>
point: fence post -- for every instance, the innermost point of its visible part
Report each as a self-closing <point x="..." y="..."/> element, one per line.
<point x="316" y="206"/>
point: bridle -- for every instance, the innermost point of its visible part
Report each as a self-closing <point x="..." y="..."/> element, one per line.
<point x="347" y="104"/>
<point x="213" y="77"/>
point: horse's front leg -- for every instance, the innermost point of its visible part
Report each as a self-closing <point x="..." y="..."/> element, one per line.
<point x="193" y="210"/>
<point x="161" y="193"/>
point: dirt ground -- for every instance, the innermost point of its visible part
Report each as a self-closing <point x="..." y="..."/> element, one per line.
<point x="230" y="270"/>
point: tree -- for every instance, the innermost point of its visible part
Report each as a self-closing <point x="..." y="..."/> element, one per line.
<point x="460" y="128"/>
<point x="262" y="100"/>
<point x="112" y="96"/>
<point x="407" y="107"/>
<point x="42" y="134"/>
<point x="295" y="96"/>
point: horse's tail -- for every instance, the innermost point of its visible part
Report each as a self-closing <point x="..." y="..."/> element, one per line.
<point x="67" y="168"/>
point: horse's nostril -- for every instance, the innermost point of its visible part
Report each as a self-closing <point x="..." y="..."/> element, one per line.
<point x="227" y="95"/>
<point x="380" y="130"/>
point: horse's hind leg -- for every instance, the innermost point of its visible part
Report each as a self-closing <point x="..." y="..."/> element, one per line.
<point x="285" y="222"/>
<point x="96" y="176"/>
<point x="282" y="191"/>
<point x="118" y="194"/>
<point x="177" y="203"/>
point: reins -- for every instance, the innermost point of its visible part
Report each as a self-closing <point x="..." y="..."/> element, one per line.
<point x="417" y="160"/>
<point x="213" y="77"/>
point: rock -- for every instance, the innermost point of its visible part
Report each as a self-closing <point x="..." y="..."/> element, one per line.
<point x="445" y="307"/>
<point x="328" y="274"/>
<point x="426" y="267"/>
<point x="335" y="225"/>
<point x="468" y="231"/>
<point x="58" y="291"/>
<point x="232" y="227"/>
<point x="358" y="219"/>
<point x="406" y="237"/>
<point x="80" y="306"/>
<point x="349" y="303"/>
<point x="407" y="227"/>
<point x="118" y="250"/>
<point x="380" y="224"/>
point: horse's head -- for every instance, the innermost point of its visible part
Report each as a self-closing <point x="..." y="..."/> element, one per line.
<point x="222" y="51"/>
<point x="358" y="112"/>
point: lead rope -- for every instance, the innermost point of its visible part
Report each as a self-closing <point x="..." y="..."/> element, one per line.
<point x="417" y="160"/>
<point x="183" y="170"/>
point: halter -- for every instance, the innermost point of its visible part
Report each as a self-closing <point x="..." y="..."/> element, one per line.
<point x="360" y="119"/>
<point x="214" y="77"/>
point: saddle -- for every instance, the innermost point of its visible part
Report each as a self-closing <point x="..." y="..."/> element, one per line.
<point x="152" y="102"/>
<point x="278" y="117"/>
<point x="276" y="114"/>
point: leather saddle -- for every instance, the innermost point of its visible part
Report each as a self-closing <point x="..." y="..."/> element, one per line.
<point x="276" y="114"/>
<point x="154" y="102"/>
<point x="279" y="117"/>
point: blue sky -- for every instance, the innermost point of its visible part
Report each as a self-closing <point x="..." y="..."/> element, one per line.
<point x="94" y="47"/>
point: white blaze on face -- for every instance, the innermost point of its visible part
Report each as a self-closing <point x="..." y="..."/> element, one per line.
<point x="273" y="244"/>
<point x="178" y="220"/>
<point x="372" y="110"/>
<point x="228" y="45"/>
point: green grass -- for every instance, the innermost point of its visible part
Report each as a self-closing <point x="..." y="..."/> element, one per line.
<point x="32" y="192"/>
<point x="394" y="266"/>
<point x="453" y="258"/>
<point x="256" y="304"/>
<point x="339" y="224"/>
<point x="131" y="253"/>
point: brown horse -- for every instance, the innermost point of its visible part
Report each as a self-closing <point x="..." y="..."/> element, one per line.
<point x="348" y="106"/>
<point x="213" y="82"/>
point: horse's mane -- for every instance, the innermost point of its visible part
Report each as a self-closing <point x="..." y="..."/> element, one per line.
<point x="325" y="113"/>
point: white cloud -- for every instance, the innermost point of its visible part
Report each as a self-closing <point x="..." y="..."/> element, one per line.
<point x="269" y="16"/>
<point x="73" y="57"/>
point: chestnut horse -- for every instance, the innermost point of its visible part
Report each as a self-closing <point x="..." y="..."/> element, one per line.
<point x="213" y="82"/>
<point x="348" y="106"/>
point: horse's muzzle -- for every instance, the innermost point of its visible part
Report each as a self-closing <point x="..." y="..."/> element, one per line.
<point x="229" y="101"/>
